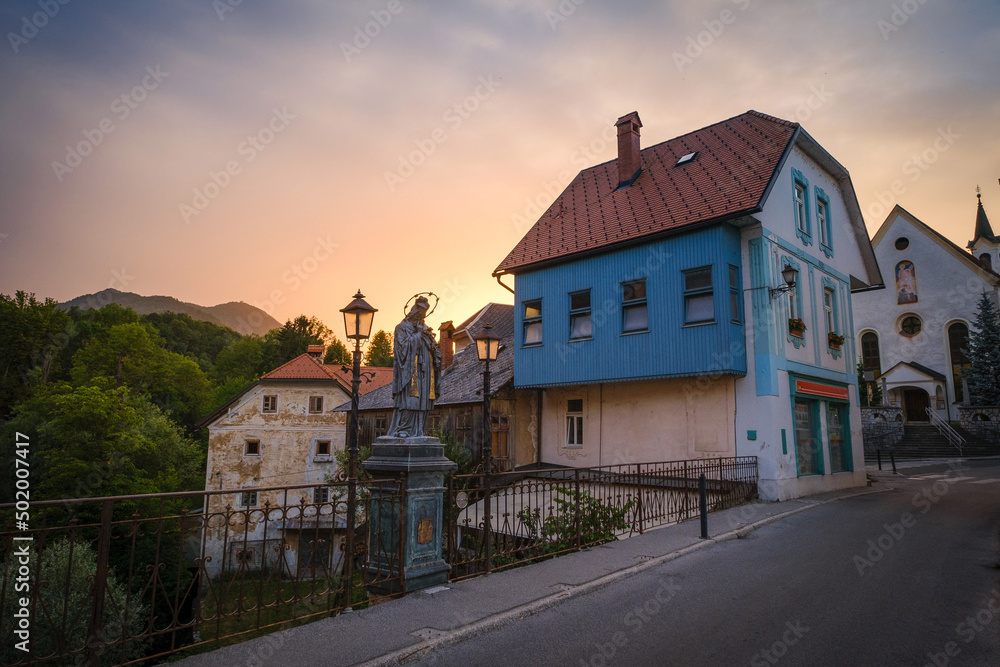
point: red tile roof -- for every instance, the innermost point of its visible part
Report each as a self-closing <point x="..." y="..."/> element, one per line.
<point x="305" y="367"/>
<point x="302" y="367"/>
<point x="380" y="376"/>
<point x="729" y="176"/>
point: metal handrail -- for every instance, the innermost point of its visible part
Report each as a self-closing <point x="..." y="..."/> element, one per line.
<point x="945" y="429"/>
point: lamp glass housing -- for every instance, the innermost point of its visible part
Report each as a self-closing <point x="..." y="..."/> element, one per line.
<point x="790" y="275"/>
<point x="487" y="344"/>
<point x="358" y="318"/>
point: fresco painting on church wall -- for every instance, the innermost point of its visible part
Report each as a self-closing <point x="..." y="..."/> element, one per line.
<point x="906" y="283"/>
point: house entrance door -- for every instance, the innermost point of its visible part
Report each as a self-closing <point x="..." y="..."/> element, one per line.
<point x="915" y="404"/>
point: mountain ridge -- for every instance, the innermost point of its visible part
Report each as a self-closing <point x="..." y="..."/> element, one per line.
<point x="237" y="315"/>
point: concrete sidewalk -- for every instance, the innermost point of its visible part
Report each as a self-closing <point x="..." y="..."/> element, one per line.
<point x="390" y="632"/>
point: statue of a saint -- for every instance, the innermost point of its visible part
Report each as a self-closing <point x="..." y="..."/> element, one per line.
<point x="415" y="369"/>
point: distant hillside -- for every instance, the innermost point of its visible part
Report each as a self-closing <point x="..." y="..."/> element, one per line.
<point x="236" y="315"/>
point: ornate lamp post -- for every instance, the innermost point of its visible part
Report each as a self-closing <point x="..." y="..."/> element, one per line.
<point x="487" y="345"/>
<point x="358" y="318"/>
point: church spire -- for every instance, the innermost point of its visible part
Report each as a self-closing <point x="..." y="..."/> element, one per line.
<point x="983" y="228"/>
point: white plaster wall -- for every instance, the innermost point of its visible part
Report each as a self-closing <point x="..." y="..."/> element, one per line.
<point x="947" y="290"/>
<point x="642" y="422"/>
<point x="768" y="416"/>
<point x="778" y="215"/>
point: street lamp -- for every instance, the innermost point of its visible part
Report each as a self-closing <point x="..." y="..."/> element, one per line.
<point x="790" y="275"/>
<point x="487" y="345"/>
<point x="358" y="318"/>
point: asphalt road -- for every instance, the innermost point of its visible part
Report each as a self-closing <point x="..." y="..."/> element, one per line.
<point x="906" y="577"/>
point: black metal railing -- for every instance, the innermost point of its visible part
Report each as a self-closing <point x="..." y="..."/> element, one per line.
<point x="503" y="519"/>
<point x="127" y="579"/>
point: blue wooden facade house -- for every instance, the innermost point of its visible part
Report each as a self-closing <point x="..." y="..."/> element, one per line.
<point x="654" y="322"/>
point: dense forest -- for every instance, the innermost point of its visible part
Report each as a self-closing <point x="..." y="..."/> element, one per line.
<point x="111" y="400"/>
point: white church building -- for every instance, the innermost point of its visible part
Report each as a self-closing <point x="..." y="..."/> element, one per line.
<point x="913" y="333"/>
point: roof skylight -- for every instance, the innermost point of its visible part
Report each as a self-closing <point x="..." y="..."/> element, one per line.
<point x="684" y="159"/>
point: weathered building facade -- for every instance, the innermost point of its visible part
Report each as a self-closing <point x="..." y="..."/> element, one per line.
<point x="283" y="430"/>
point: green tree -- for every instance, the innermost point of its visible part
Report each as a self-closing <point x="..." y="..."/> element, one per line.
<point x="337" y="353"/>
<point x="983" y="374"/>
<point x="243" y="358"/>
<point x="132" y="355"/>
<point x="863" y="387"/>
<point x="63" y="600"/>
<point x="86" y="325"/>
<point x="33" y="333"/>
<point x="225" y="392"/>
<point x="292" y="339"/>
<point x="379" y="350"/>
<point x="101" y="441"/>
<point x="201" y="341"/>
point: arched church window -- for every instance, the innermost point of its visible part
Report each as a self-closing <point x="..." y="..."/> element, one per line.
<point x="869" y="353"/>
<point x="958" y="343"/>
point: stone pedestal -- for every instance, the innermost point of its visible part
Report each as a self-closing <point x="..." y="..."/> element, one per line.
<point x="421" y="465"/>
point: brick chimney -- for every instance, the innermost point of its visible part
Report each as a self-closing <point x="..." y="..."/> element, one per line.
<point x="316" y="352"/>
<point x="446" y="344"/>
<point x="629" y="162"/>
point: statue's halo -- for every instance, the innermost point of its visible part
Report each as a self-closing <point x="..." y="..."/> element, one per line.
<point x="406" y="308"/>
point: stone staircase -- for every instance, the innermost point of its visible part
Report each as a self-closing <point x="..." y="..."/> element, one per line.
<point x="922" y="441"/>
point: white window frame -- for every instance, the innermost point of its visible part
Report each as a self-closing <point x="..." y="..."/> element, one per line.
<point x="822" y="219"/>
<point x="829" y="303"/>
<point x="699" y="293"/>
<point x="529" y="323"/>
<point x="263" y="404"/>
<point x="246" y="447"/>
<point x="801" y="208"/>
<point x="581" y="313"/>
<point x="634" y="303"/>
<point x="574" y="425"/>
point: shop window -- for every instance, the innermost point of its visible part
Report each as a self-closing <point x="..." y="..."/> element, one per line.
<point x="808" y="449"/>
<point x="840" y="442"/>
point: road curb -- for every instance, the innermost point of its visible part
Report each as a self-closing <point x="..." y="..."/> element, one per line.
<point x="450" y="637"/>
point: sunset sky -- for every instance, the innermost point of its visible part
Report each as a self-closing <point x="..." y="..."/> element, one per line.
<point x="275" y="153"/>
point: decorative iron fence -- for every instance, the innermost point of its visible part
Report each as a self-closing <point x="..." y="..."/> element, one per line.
<point x="126" y="579"/>
<point x="502" y="519"/>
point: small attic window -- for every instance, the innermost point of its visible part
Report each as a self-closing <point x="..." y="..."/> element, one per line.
<point x="684" y="159"/>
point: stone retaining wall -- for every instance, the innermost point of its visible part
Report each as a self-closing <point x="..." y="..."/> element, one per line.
<point x="983" y="422"/>
<point x="881" y="427"/>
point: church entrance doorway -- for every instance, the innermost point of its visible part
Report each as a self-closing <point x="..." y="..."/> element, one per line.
<point x="915" y="404"/>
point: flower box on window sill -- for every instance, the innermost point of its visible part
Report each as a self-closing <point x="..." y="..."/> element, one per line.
<point x="796" y="326"/>
<point x="834" y="341"/>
